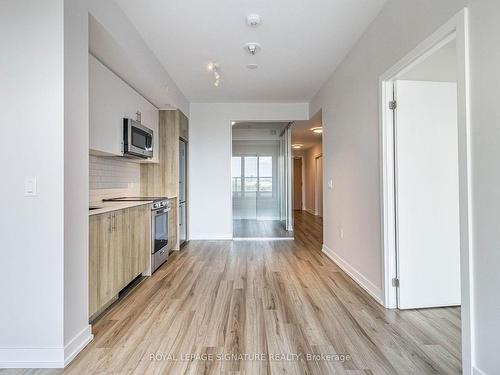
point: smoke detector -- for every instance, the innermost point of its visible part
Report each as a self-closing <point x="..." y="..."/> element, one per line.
<point x="253" y="20"/>
<point x="252" y="48"/>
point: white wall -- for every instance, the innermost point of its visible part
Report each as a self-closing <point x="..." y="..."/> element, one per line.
<point x="210" y="159"/>
<point x="43" y="289"/>
<point x="77" y="331"/>
<point x="485" y="117"/>
<point x="310" y="173"/>
<point x="441" y="66"/>
<point x="32" y="227"/>
<point x="349" y="101"/>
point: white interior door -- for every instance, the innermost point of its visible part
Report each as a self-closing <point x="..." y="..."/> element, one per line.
<point x="426" y="154"/>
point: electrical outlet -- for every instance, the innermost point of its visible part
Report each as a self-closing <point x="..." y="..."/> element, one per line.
<point x="330" y="184"/>
<point x="341" y="233"/>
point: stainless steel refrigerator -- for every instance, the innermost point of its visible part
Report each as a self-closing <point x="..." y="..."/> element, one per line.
<point x="182" y="191"/>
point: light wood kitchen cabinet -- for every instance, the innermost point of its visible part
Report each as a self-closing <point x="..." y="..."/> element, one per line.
<point x="173" y="225"/>
<point x="183" y="127"/>
<point x="106" y="259"/>
<point x="162" y="179"/>
<point x="140" y="238"/>
<point x="94" y="224"/>
<point x="119" y="250"/>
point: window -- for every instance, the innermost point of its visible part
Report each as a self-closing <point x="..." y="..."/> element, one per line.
<point x="252" y="174"/>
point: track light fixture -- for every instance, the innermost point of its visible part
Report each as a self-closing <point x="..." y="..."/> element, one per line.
<point x="214" y="68"/>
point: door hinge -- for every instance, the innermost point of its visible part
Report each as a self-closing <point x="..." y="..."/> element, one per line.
<point x="395" y="282"/>
<point x="392" y="104"/>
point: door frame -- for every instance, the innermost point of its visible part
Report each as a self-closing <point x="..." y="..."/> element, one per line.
<point x="316" y="185"/>
<point x="455" y="29"/>
<point x="303" y="174"/>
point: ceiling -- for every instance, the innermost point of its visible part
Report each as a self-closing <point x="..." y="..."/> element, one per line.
<point x="302" y="43"/>
<point x="301" y="132"/>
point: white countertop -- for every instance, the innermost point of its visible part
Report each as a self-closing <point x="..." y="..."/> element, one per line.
<point x="114" y="206"/>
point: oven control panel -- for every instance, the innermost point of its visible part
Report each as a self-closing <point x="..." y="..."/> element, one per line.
<point x="161" y="204"/>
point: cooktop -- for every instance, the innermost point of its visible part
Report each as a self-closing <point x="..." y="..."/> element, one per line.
<point x="135" y="199"/>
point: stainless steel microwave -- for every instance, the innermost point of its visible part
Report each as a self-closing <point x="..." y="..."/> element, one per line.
<point x="137" y="139"/>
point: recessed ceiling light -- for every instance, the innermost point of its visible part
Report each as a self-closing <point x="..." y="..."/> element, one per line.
<point x="253" y="20"/>
<point x="252" y="66"/>
<point x="317" y="130"/>
<point x="297" y="146"/>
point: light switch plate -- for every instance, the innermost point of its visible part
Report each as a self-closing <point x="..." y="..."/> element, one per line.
<point x="30" y="187"/>
<point x="330" y="184"/>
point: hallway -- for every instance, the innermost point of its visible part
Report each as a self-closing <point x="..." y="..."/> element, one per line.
<point x="254" y="300"/>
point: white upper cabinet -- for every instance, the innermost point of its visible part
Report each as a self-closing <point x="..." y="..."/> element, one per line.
<point x="111" y="100"/>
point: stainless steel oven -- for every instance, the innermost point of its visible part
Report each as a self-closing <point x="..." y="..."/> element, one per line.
<point x="159" y="233"/>
<point x="137" y="139"/>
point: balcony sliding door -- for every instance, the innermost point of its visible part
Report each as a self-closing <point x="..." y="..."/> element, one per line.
<point x="254" y="188"/>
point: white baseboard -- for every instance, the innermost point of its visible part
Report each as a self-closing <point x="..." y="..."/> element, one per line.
<point x="77" y="344"/>
<point x="45" y="357"/>
<point x="31" y="357"/>
<point x="476" y="371"/>
<point x="362" y="281"/>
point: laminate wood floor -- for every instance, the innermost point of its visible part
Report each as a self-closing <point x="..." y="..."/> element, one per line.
<point x="259" y="229"/>
<point x="277" y="307"/>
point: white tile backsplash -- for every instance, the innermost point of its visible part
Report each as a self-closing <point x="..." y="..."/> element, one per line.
<point x="111" y="177"/>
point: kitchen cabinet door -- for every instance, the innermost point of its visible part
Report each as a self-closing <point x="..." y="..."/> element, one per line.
<point x="173" y="227"/>
<point x="139" y="239"/>
<point x="110" y="100"/>
<point x="107" y="259"/>
<point x="121" y="248"/>
<point x="183" y="126"/>
<point x="94" y="224"/>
